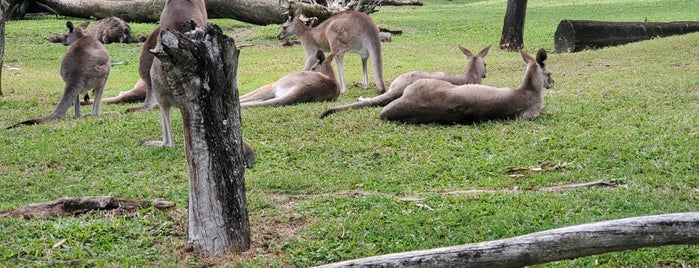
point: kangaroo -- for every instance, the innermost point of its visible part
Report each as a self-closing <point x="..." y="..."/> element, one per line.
<point x="316" y="85"/>
<point x="85" y="66"/>
<point x="174" y="14"/>
<point x="436" y="101"/>
<point x="136" y="94"/>
<point x="107" y="30"/>
<point x="474" y="74"/>
<point x="347" y="31"/>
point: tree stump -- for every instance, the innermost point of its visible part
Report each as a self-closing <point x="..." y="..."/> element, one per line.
<point x="578" y="35"/>
<point x="201" y="65"/>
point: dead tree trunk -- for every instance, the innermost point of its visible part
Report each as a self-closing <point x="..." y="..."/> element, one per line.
<point x="260" y="12"/>
<point x="552" y="245"/>
<point x="513" y="26"/>
<point x="201" y="68"/>
<point x="578" y="35"/>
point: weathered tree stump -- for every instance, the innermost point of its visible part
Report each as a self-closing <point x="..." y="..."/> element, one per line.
<point x="201" y="66"/>
<point x="578" y="35"/>
<point x="552" y="245"/>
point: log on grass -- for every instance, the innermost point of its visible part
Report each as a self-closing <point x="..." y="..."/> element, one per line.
<point x="578" y="35"/>
<point x="552" y="245"/>
<point x="71" y="206"/>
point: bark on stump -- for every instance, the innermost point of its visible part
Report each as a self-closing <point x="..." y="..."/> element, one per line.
<point x="552" y="245"/>
<point x="513" y="26"/>
<point x="578" y="35"/>
<point x="201" y="68"/>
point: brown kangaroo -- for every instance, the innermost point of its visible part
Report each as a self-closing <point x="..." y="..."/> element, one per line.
<point x="474" y="74"/>
<point x="316" y="85"/>
<point x="136" y="94"/>
<point x="85" y="66"/>
<point x="437" y="101"/>
<point x="347" y="31"/>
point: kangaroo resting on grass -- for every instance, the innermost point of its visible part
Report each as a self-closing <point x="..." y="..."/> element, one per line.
<point x="316" y="85"/>
<point x="436" y="101"/>
<point x="107" y="30"/>
<point x="136" y="94"/>
<point x="347" y="31"/>
<point x="474" y="74"/>
<point x="174" y="15"/>
<point x="85" y="66"/>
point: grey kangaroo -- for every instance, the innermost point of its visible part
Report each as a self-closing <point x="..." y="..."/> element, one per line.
<point x="174" y="15"/>
<point x="85" y="66"/>
<point x="436" y="101"/>
<point x="473" y="74"/>
<point x="347" y="31"/>
<point x="316" y="85"/>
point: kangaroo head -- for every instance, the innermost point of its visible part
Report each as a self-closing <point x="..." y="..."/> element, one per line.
<point x="324" y="65"/>
<point x="538" y="65"/>
<point x="294" y="23"/>
<point x="476" y="65"/>
<point x="74" y="33"/>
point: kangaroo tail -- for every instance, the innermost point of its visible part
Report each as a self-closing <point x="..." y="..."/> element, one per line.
<point x="70" y="96"/>
<point x="380" y="100"/>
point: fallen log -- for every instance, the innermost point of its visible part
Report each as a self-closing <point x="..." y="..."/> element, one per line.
<point x="552" y="245"/>
<point x="578" y="35"/>
<point x="71" y="206"/>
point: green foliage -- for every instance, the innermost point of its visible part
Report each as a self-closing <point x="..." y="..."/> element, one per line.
<point x="352" y="185"/>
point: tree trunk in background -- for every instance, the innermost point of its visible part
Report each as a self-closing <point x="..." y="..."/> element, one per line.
<point x="259" y="12"/>
<point x="513" y="26"/>
<point x="552" y="245"/>
<point x="201" y="67"/>
<point x="578" y="35"/>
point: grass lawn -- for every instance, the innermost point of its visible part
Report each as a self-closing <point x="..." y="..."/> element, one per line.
<point x="352" y="185"/>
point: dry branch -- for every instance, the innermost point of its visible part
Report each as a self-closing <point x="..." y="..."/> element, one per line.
<point x="552" y="245"/>
<point x="71" y="206"/>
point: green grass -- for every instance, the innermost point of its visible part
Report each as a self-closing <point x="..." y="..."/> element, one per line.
<point x="335" y="189"/>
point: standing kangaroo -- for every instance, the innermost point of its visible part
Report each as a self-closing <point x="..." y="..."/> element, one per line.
<point x="85" y="66"/>
<point x="474" y="74"/>
<point x="347" y="31"/>
<point x="436" y="101"/>
<point x="174" y="15"/>
<point x="316" y="85"/>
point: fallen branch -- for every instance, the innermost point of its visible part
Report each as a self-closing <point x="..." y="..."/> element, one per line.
<point x="565" y="187"/>
<point x="552" y="245"/>
<point x="71" y="206"/>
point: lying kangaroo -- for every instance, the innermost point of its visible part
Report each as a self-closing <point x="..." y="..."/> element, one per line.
<point x="474" y="74"/>
<point x="85" y="66"/>
<point x="431" y="100"/>
<point x="107" y="30"/>
<point x="136" y="94"/>
<point x="347" y="31"/>
<point x="316" y="85"/>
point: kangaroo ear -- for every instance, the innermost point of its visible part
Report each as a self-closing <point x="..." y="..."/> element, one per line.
<point x="320" y="56"/>
<point x="84" y="25"/>
<point x="484" y="51"/>
<point x="525" y="57"/>
<point x="541" y="57"/>
<point x="466" y="52"/>
<point x="69" y="25"/>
